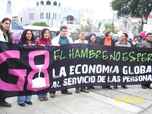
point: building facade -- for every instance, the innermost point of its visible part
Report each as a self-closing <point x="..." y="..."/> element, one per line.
<point x="51" y="12"/>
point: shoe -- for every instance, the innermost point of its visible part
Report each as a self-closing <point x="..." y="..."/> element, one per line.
<point x="91" y="87"/>
<point x="22" y="104"/>
<point x="52" y="95"/>
<point x="45" y="98"/>
<point x="149" y="87"/>
<point x="108" y="87"/>
<point x="84" y="90"/>
<point x="144" y="86"/>
<point x="124" y="87"/>
<point x="28" y="102"/>
<point x="41" y="99"/>
<point x="103" y="87"/>
<point x="5" y="104"/>
<point x="67" y="93"/>
<point x="77" y="90"/>
<point x="115" y="87"/>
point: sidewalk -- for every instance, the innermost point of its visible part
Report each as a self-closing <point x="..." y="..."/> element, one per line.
<point x="99" y="101"/>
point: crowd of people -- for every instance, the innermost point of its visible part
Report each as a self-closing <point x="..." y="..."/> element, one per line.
<point x="28" y="39"/>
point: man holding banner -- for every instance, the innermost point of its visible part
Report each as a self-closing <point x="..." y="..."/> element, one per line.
<point x="5" y="37"/>
<point x="147" y="43"/>
<point x="61" y="40"/>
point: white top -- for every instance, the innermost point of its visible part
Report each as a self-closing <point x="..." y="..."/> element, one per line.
<point x="2" y="36"/>
<point x="80" y="42"/>
<point x="55" y="41"/>
<point x="118" y="44"/>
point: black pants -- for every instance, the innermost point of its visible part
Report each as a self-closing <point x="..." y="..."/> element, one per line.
<point x="146" y="84"/>
<point x="2" y="100"/>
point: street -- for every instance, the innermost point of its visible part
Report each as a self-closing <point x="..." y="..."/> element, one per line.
<point x="133" y="100"/>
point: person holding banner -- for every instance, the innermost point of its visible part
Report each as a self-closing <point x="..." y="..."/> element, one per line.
<point x="61" y="40"/>
<point x="107" y="41"/>
<point x="45" y="40"/>
<point x="147" y="43"/>
<point x="27" y="40"/>
<point x="5" y="36"/>
<point x="122" y="42"/>
<point x="81" y="40"/>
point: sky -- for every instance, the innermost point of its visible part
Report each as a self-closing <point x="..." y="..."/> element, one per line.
<point x="101" y="8"/>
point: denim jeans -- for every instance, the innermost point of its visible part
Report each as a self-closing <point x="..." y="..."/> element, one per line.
<point x="42" y="95"/>
<point x="23" y="99"/>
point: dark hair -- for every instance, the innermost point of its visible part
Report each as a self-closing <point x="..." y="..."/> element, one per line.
<point x="23" y="36"/>
<point x="149" y="33"/>
<point x="8" y="32"/>
<point x="126" y="35"/>
<point x="43" y="31"/>
<point x="63" y="27"/>
<point x="57" y="33"/>
<point x="93" y="34"/>
<point x="107" y="34"/>
<point x="5" y="19"/>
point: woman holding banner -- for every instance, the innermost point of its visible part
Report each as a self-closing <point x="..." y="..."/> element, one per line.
<point x="45" y="40"/>
<point x="122" y="42"/>
<point x="81" y="40"/>
<point x="27" y="40"/>
<point x="5" y="37"/>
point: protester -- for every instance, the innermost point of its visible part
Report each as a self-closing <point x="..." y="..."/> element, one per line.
<point x="93" y="39"/>
<point x="107" y="40"/>
<point x="147" y="43"/>
<point x="45" y="40"/>
<point x="122" y="42"/>
<point x="61" y="40"/>
<point x="81" y="40"/>
<point x="5" y="36"/>
<point x="27" y="40"/>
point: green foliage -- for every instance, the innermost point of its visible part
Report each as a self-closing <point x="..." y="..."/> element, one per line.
<point x="134" y="8"/>
<point x="40" y="24"/>
<point x="110" y="27"/>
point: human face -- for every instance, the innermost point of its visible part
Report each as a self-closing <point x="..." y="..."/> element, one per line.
<point x="47" y="34"/>
<point x="93" y="39"/>
<point x="29" y="35"/>
<point x="82" y="36"/>
<point x="64" y="32"/>
<point x="123" y="38"/>
<point x="149" y="37"/>
<point x="6" y="25"/>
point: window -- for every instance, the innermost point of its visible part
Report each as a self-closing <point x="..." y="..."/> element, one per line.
<point x="55" y="3"/>
<point x="37" y="3"/>
<point x="42" y="3"/>
<point x="47" y="15"/>
<point x="59" y="4"/>
<point x="41" y="15"/>
<point x="48" y="3"/>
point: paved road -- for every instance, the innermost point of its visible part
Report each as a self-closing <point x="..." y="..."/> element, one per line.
<point x="133" y="100"/>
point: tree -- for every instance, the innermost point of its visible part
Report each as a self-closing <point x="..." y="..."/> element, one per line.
<point x="40" y="24"/>
<point x="134" y="8"/>
<point x="87" y="27"/>
<point x="110" y="28"/>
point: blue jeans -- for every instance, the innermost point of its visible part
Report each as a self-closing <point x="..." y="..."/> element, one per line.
<point x="23" y="99"/>
<point x="42" y="95"/>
